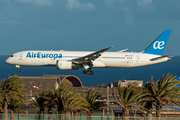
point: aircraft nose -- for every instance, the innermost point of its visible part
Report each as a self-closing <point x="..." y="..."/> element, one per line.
<point x="8" y="61"/>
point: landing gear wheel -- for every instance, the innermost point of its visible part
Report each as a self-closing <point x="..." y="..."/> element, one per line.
<point x="84" y="72"/>
<point x="19" y="70"/>
<point x="90" y="73"/>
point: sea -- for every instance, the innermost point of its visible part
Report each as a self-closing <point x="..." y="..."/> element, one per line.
<point x="101" y="75"/>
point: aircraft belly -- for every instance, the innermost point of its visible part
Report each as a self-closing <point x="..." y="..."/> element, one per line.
<point x="98" y="64"/>
<point x="148" y="62"/>
<point x="139" y="64"/>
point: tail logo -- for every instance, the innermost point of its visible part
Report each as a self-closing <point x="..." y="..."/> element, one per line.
<point x="158" y="45"/>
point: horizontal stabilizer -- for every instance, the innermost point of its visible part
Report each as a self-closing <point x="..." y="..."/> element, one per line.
<point x="158" y="58"/>
<point x="123" y="50"/>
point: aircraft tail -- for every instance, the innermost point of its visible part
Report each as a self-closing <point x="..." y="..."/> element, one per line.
<point x="158" y="45"/>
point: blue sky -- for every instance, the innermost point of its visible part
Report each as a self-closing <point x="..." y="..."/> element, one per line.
<point x="87" y="25"/>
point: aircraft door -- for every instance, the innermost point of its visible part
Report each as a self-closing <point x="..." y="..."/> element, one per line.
<point x="20" y="56"/>
<point x="130" y="60"/>
<point x="137" y="58"/>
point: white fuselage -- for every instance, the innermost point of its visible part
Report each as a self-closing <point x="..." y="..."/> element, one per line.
<point x="72" y="60"/>
<point x="107" y="59"/>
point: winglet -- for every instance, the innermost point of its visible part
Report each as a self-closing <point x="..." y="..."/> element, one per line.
<point x="105" y="49"/>
<point x="158" y="45"/>
<point x="102" y="50"/>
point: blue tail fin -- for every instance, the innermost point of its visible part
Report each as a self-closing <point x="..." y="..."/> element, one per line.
<point x="158" y="45"/>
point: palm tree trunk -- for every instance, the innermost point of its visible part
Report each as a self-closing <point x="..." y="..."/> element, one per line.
<point x="12" y="115"/>
<point x="126" y="114"/>
<point x="158" y="112"/>
<point x="75" y="116"/>
<point x="60" y="107"/>
<point x="50" y="114"/>
<point x="149" y="115"/>
<point x="5" y="108"/>
<point x="1" y="116"/>
<point x="89" y="117"/>
<point x="41" y="115"/>
<point x="68" y="116"/>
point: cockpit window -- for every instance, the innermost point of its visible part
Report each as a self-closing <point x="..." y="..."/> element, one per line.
<point x="11" y="56"/>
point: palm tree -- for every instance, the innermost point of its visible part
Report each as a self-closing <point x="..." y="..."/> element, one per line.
<point x="146" y="102"/>
<point x="50" y="101"/>
<point x="92" y="97"/>
<point x="164" y="91"/>
<point x="49" y="98"/>
<point x="128" y="97"/>
<point x="62" y="89"/>
<point x="1" y="108"/>
<point x="16" y="106"/>
<point x="74" y="103"/>
<point x="12" y="88"/>
<point x="1" y="105"/>
<point x="38" y="102"/>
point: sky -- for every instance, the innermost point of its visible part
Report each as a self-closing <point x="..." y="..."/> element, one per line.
<point x="87" y="25"/>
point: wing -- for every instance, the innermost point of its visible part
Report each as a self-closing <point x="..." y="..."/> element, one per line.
<point x="91" y="57"/>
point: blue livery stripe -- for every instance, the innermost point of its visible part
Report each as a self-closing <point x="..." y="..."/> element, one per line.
<point x="158" y="45"/>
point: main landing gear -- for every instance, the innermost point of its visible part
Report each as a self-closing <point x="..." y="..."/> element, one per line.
<point x="88" y="72"/>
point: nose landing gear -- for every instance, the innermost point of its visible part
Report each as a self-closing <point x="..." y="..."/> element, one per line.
<point x="19" y="70"/>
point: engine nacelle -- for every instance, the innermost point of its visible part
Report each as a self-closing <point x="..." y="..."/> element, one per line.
<point x="65" y="65"/>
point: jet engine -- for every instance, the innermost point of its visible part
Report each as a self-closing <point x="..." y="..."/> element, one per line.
<point x="66" y="65"/>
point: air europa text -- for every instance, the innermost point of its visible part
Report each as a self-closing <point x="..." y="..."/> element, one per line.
<point x="43" y="55"/>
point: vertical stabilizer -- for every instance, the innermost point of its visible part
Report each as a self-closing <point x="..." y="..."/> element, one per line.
<point x="158" y="45"/>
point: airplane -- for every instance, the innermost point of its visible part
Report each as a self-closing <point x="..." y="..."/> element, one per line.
<point x="73" y="60"/>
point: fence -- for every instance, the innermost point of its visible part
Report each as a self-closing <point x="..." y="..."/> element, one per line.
<point x="69" y="117"/>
